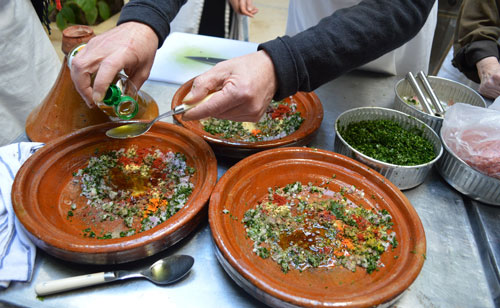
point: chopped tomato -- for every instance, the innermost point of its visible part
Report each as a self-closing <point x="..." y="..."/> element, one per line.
<point x="255" y="132"/>
<point x="280" y="111"/>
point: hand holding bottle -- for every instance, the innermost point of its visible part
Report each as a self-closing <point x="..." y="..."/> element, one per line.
<point x="130" y="46"/>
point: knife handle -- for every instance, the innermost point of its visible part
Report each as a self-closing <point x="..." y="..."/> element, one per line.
<point x="71" y="283"/>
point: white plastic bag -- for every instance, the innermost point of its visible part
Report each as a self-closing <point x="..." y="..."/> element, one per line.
<point x="473" y="134"/>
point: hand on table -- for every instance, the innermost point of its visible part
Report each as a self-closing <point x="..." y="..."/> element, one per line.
<point x="489" y="73"/>
<point x="245" y="85"/>
<point x="130" y="46"/>
<point x="244" y="7"/>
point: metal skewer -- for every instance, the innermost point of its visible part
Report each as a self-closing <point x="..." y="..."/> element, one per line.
<point x="421" y="97"/>
<point x="434" y="99"/>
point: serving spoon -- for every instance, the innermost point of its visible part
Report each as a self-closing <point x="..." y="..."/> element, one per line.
<point x="163" y="271"/>
<point x="136" y="129"/>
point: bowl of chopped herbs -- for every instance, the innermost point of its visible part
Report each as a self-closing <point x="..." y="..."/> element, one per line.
<point x="397" y="145"/>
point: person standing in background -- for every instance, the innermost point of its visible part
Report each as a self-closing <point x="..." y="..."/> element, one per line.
<point x="413" y="56"/>
<point x="29" y="65"/>
<point x="339" y="43"/>
<point x="476" y="46"/>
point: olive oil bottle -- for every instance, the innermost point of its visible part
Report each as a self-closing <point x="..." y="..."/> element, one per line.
<point x="122" y="101"/>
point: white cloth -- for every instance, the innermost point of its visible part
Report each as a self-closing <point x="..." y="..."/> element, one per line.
<point x="188" y="18"/>
<point x="28" y="65"/>
<point x="413" y="56"/>
<point x="17" y="252"/>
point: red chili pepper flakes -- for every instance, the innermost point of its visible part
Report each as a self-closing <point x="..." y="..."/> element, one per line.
<point x="158" y="164"/>
<point x="279" y="200"/>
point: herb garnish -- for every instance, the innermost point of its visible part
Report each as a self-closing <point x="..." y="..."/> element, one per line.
<point x="387" y="141"/>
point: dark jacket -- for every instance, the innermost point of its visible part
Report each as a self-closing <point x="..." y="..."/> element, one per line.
<point x="476" y="35"/>
<point x="339" y="43"/>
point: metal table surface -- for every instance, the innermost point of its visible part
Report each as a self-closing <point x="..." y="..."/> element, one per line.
<point x="463" y="245"/>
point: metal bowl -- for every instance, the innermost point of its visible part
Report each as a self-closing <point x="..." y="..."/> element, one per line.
<point x="445" y="89"/>
<point x="467" y="180"/>
<point x="404" y="177"/>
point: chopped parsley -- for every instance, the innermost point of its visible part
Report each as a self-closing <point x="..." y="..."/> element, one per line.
<point x="387" y="141"/>
<point x="139" y="187"/>
<point x="300" y="226"/>
<point x="280" y="120"/>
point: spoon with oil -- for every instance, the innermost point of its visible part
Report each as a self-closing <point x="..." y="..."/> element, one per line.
<point x="164" y="271"/>
<point x="136" y="129"/>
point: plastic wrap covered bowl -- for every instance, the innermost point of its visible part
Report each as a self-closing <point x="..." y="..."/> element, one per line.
<point x="404" y="177"/>
<point x="467" y="180"/>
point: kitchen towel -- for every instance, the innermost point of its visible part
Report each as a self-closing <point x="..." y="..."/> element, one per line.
<point x="17" y="252"/>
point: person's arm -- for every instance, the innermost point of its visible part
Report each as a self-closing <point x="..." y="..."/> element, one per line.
<point x="157" y="14"/>
<point x="476" y="35"/>
<point x="132" y="45"/>
<point x="344" y="41"/>
<point x="341" y="42"/>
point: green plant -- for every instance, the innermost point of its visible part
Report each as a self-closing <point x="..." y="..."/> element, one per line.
<point x="83" y="12"/>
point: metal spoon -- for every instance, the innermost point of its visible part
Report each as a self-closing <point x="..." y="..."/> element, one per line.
<point x="163" y="271"/>
<point x="136" y="129"/>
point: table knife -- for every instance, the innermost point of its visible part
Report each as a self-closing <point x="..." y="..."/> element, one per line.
<point x="206" y="60"/>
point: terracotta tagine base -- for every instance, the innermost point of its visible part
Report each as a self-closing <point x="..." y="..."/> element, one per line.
<point x="41" y="199"/>
<point x="308" y="104"/>
<point x="247" y="182"/>
<point x="63" y="110"/>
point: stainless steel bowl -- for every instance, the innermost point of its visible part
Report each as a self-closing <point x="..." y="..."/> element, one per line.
<point x="445" y="89"/>
<point x="467" y="180"/>
<point x="404" y="177"/>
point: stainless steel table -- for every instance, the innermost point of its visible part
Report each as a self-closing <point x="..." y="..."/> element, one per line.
<point x="463" y="245"/>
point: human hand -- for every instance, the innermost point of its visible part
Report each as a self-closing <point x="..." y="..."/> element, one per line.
<point x="245" y="85"/>
<point x="130" y="46"/>
<point x="488" y="70"/>
<point x="244" y="7"/>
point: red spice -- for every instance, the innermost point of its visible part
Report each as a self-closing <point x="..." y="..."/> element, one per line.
<point x="158" y="164"/>
<point x="124" y="160"/>
<point x="279" y="200"/>
<point x="327" y="215"/>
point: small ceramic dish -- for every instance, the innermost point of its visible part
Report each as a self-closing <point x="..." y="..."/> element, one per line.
<point x="247" y="182"/>
<point x="308" y="104"/>
<point x="43" y="186"/>
<point x="404" y="177"/>
<point x="446" y="90"/>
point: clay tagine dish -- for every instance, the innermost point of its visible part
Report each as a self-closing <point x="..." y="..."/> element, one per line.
<point x="308" y="104"/>
<point x="235" y="221"/>
<point x="47" y="193"/>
